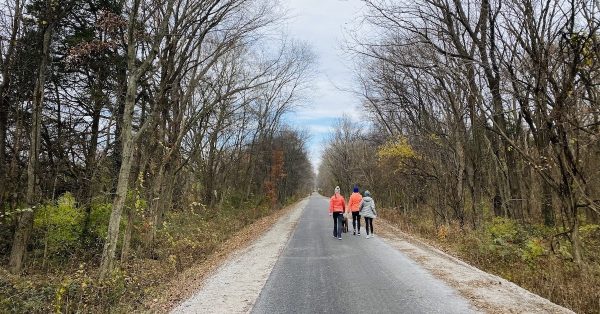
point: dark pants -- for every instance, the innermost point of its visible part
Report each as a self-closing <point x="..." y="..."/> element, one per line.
<point x="369" y="224"/>
<point x="356" y="221"/>
<point x="337" y="224"/>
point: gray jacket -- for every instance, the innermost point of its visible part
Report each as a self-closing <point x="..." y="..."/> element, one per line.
<point x="367" y="207"/>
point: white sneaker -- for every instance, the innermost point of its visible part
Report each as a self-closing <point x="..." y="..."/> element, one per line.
<point x="368" y="236"/>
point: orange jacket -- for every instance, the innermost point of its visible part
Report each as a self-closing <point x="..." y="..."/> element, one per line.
<point x="337" y="204"/>
<point x="354" y="202"/>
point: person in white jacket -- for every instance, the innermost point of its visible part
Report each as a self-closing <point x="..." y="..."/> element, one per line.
<point x="367" y="210"/>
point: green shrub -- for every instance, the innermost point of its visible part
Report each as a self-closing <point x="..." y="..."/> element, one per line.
<point x="99" y="217"/>
<point x="533" y="250"/>
<point x="58" y="226"/>
<point x="24" y="296"/>
<point x="503" y="238"/>
<point x="80" y="292"/>
<point x="503" y="230"/>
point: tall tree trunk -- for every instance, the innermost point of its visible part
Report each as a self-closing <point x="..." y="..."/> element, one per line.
<point x="25" y="221"/>
<point x="131" y="213"/>
<point x="576" y="240"/>
<point x="14" y="162"/>
<point x="4" y="99"/>
<point x="90" y="165"/>
<point x="127" y="140"/>
<point x="155" y="204"/>
<point x="3" y="131"/>
<point x="167" y="195"/>
<point x="119" y="112"/>
<point x="547" y="204"/>
<point x="459" y="188"/>
<point x="209" y="178"/>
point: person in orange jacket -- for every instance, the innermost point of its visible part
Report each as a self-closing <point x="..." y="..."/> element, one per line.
<point x="354" y="208"/>
<point x="337" y="207"/>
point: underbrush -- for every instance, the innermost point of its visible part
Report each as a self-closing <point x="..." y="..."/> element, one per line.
<point x="530" y="256"/>
<point x="61" y="276"/>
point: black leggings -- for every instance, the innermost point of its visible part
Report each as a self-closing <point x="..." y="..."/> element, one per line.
<point x="337" y="224"/>
<point x="369" y="224"/>
<point x="355" y="221"/>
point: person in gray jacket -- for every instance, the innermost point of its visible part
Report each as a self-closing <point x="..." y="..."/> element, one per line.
<point x="367" y="210"/>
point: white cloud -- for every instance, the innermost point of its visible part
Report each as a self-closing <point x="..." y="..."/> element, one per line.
<point x="329" y="101"/>
<point x="320" y="23"/>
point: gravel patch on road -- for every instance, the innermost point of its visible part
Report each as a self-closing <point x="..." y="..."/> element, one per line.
<point x="235" y="286"/>
<point x="489" y="293"/>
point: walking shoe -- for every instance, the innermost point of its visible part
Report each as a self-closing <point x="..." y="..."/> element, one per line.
<point x="339" y="238"/>
<point x="359" y="233"/>
<point x="354" y="233"/>
<point x="368" y="236"/>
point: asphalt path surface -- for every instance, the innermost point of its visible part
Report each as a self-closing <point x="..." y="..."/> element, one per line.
<point x="317" y="273"/>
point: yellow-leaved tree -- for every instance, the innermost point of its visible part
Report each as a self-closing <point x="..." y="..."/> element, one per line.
<point x="398" y="151"/>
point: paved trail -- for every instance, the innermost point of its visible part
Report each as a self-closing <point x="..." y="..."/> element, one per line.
<point x="298" y="267"/>
<point x="317" y="273"/>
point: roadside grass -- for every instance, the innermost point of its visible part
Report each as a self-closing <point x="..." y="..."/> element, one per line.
<point x="523" y="255"/>
<point x="61" y="275"/>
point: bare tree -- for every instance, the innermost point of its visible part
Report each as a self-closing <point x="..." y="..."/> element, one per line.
<point x="11" y="22"/>
<point x="493" y="97"/>
<point x="135" y="72"/>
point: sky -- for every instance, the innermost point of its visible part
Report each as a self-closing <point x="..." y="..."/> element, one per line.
<point x="322" y="25"/>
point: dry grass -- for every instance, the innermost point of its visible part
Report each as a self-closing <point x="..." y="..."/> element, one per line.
<point x="166" y="296"/>
<point x="552" y="276"/>
<point x="189" y="248"/>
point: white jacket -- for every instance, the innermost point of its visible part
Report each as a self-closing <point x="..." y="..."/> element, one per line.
<point x="367" y="207"/>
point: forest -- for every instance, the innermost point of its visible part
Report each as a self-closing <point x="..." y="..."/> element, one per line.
<point x="135" y="136"/>
<point x="480" y="132"/>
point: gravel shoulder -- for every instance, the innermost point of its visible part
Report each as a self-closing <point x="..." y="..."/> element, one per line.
<point x="235" y="285"/>
<point x="487" y="292"/>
